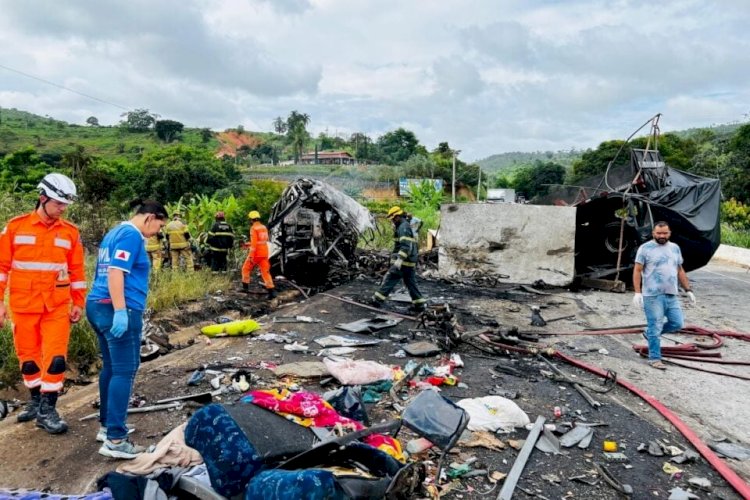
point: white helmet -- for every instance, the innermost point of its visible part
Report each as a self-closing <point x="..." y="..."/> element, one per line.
<point x="58" y="187"/>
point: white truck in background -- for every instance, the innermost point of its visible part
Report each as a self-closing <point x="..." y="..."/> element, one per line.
<point x="504" y="195"/>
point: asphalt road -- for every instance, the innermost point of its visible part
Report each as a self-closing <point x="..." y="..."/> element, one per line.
<point x="713" y="405"/>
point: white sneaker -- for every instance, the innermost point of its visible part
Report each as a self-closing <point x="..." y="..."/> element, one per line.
<point x="101" y="436"/>
<point x="124" y="449"/>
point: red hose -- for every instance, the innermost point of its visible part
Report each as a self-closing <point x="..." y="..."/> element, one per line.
<point x="739" y="485"/>
<point x="700" y="369"/>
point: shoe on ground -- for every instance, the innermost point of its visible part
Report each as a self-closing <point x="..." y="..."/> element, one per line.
<point x="272" y="293"/>
<point x="101" y="436"/>
<point x="125" y="449"/>
<point x="659" y="365"/>
<point x="30" y="411"/>
<point x="49" y="420"/>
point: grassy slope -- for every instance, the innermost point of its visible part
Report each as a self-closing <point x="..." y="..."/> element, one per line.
<point x="20" y="129"/>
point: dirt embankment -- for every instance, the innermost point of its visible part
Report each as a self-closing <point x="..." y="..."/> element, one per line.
<point x="232" y="140"/>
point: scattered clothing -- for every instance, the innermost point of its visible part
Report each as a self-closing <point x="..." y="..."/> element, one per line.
<point x="171" y="451"/>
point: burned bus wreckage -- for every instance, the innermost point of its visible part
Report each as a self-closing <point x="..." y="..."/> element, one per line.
<point x="314" y="227"/>
<point x="616" y="213"/>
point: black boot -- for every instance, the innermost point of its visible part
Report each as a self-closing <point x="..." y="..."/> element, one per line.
<point x="31" y="409"/>
<point x="48" y="418"/>
<point x="245" y="287"/>
<point x="272" y="293"/>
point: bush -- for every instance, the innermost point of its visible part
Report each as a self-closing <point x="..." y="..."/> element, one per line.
<point x="735" y="214"/>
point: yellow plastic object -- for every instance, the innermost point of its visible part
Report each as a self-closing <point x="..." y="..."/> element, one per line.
<point x="610" y="446"/>
<point x="231" y="329"/>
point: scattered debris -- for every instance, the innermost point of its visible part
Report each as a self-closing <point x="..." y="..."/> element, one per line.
<point x="680" y="494"/>
<point x="343" y="341"/>
<point x="296" y="319"/>
<point x="687" y="456"/>
<point x="359" y="372"/>
<point x="536" y="317"/>
<point x="421" y="348"/>
<point x="700" y="482"/>
<point x="605" y="474"/>
<point x="730" y="450"/>
<point x="484" y="440"/>
<point x="302" y="369"/>
<point x="506" y="493"/>
<point x="548" y="443"/>
<point x="577" y="435"/>
<point x="491" y="413"/>
<point x="370" y="325"/>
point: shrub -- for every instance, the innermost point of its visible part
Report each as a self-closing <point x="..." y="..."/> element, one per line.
<point x="735" y="214"/>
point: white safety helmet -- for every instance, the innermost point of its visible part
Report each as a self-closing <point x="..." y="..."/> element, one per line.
<point x="58" y="187"/>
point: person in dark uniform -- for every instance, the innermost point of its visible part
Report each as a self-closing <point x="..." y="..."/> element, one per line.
<point x="220" y="240"/>
<point x="403" y="262"/>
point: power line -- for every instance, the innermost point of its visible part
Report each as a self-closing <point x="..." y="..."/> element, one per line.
<point x="62" y="87"/>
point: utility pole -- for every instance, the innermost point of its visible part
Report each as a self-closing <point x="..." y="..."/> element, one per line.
<point x="453" y="183"/>
<point x="479" y="183"/>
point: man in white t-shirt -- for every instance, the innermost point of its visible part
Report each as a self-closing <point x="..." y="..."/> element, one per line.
<point x="658" y="267"/>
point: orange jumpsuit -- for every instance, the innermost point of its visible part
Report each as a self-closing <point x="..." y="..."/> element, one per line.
<point x="43" y="267"/>
<point x="258" y="255"/>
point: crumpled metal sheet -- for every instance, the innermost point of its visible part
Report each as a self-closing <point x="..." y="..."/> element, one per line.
<point x="370" y="325"/>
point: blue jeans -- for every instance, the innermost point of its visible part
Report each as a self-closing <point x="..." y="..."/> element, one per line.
<point x="121" y="358"/>
<point x="657" y="308"/>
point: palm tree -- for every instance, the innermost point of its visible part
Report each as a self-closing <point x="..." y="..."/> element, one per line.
<point x="296" y="126"/>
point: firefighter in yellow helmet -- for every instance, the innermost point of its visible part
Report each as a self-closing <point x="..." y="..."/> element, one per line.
<point x="178" y="238"/>
<point x="258" y="255"/>
<point x="403" y="262"/>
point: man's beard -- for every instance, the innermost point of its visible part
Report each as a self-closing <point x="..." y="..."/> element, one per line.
<point x="662" y="241"/>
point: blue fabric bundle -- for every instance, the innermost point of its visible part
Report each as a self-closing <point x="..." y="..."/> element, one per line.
<point x="231" y="460"/>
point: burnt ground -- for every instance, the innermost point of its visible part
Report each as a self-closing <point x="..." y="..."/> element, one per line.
<point x="70" y="463"/>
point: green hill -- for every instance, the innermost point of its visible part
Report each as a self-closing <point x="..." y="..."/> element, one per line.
<point x="19" y="129"/>
<point x="507" y="163"/>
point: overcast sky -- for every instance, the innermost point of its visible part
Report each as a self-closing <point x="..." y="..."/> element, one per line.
<point x="488" y="76"/>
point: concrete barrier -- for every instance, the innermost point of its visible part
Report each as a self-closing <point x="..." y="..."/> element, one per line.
<point x="524" y="242"/>
<point x="735" y="255"/>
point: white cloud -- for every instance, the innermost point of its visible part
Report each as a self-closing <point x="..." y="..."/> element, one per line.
<point x="485" y="76"/>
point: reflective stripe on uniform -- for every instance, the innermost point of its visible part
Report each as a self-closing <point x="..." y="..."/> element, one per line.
<point x="403" y="254"/>
<point x="24" y="239"/>
<point x="33" y="383"/>
<point x="221" y="234"/>
<point x="37" y="266"/>
<point x="52" y="386"/>
<point x="380" y="296"/>
<point x="62" y="243"/>
<point x="408" y="264"/>
<point x="406" y="238"/>
<point x="78" y="285"/>
<point x="3" y="277"/>
<point x="419" y="301"/>
<point x="214" y="249"/>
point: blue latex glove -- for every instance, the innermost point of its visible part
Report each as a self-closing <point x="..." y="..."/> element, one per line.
<point x="119" y="323"/>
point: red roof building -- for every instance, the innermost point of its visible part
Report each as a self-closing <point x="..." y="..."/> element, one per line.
<point x="328" y="158"/>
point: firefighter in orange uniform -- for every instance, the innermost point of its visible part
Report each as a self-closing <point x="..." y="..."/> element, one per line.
<point x="41" y="262"/>
<point x="258" y="255"/>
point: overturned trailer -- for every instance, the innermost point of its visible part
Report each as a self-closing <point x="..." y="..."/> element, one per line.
<point x="314" y="227"/>
<point x="616" y="213"/>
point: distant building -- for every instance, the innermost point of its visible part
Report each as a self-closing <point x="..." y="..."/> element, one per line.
<point x="328" y="158"/>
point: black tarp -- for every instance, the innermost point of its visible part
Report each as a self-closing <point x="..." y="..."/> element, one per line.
<point x="645" y="191"/>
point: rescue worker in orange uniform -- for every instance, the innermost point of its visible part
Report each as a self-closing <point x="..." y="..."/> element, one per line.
<point x="258" y="255"/>
<point x="41" y="262"/>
